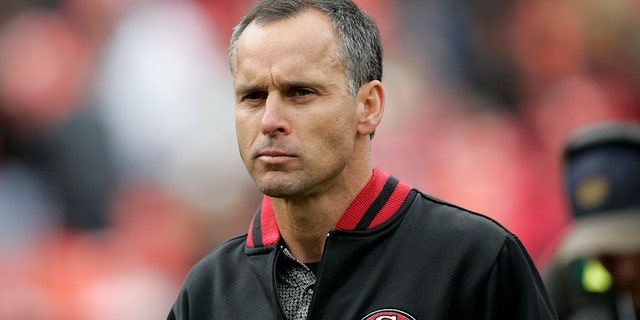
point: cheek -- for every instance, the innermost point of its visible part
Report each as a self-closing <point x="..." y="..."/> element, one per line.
<point x="338" y="134"/>
<point x="243" y="134"/>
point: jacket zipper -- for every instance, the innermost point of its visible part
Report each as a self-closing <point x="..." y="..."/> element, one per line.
<point x="314" y="297"/>
<point x="275" y="280"/>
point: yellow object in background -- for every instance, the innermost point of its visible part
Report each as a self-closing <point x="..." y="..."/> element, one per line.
<point x="595" y="277"/>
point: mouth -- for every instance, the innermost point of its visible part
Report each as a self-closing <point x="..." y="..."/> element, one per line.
<point x="274" y="156"/>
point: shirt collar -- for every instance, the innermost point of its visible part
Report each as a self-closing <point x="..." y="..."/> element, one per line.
<point x="376" y="203"/>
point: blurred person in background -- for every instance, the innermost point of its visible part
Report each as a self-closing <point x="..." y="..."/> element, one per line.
<point x="55" y="173"/>
<point x="596" y="271"/>
<point x="507" y="81"/>
<point x="48" y="124"/>
<point x="335" y="237"/>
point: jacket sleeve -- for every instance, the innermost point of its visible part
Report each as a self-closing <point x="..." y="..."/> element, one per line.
<point x="514" y="288"/>
<point x="180" y="308"/>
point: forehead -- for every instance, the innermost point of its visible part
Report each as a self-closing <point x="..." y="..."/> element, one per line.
<point x="305" y="35"/>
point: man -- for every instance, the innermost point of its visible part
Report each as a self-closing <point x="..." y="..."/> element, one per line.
<point x="596" y="271"/>
<point x="335" y="238"/>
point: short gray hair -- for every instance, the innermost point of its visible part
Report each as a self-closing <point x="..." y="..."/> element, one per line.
<point x="361" y="47"/>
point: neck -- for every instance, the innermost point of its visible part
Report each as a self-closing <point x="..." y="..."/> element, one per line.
<point x="305" y="223"/>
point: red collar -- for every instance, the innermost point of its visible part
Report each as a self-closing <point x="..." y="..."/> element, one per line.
<point x="378" y="201"/>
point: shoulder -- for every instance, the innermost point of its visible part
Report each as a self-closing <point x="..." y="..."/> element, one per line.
<point x="448" y="223"/>
<point x="219" y="261"/>
<point x="210" y="280"/>
<point x="457" y="216"/>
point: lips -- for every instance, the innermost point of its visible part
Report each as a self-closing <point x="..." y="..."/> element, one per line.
<point x="273" y="154"/>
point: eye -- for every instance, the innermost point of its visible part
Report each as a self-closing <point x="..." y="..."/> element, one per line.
<point x="257" y="95"/>
<point x="301" y="92"/>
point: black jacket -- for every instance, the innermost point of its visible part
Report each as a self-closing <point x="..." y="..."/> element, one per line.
<point x="395" y="249"/>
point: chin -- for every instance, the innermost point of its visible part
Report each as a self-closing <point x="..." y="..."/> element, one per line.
<point x="273" y="187"/>
<point x="276" y="192"/>
<point x="277" y="184"/>
<point x="281" y="190"/>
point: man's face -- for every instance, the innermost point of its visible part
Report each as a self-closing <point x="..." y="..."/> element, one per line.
<point x="295" y="119"/>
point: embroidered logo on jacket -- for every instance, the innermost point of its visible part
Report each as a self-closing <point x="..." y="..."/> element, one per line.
<point x="388" y="314"/>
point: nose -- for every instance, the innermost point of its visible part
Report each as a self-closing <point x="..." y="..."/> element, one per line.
<point x="274" y="119"/>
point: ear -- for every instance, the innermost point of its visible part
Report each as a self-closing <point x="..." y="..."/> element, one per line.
<point x="370" y="106"/>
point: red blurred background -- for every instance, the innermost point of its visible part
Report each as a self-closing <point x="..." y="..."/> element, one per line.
<point x="118" y="163"/>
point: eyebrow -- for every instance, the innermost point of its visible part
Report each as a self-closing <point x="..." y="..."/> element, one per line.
<point x="245" y="89"/>
<point x="248" y="88"/>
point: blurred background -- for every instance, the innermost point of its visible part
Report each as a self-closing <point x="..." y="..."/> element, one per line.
<point x="118" y="161"/>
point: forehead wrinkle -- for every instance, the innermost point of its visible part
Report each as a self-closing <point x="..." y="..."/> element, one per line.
<point x="258" y="49"/>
